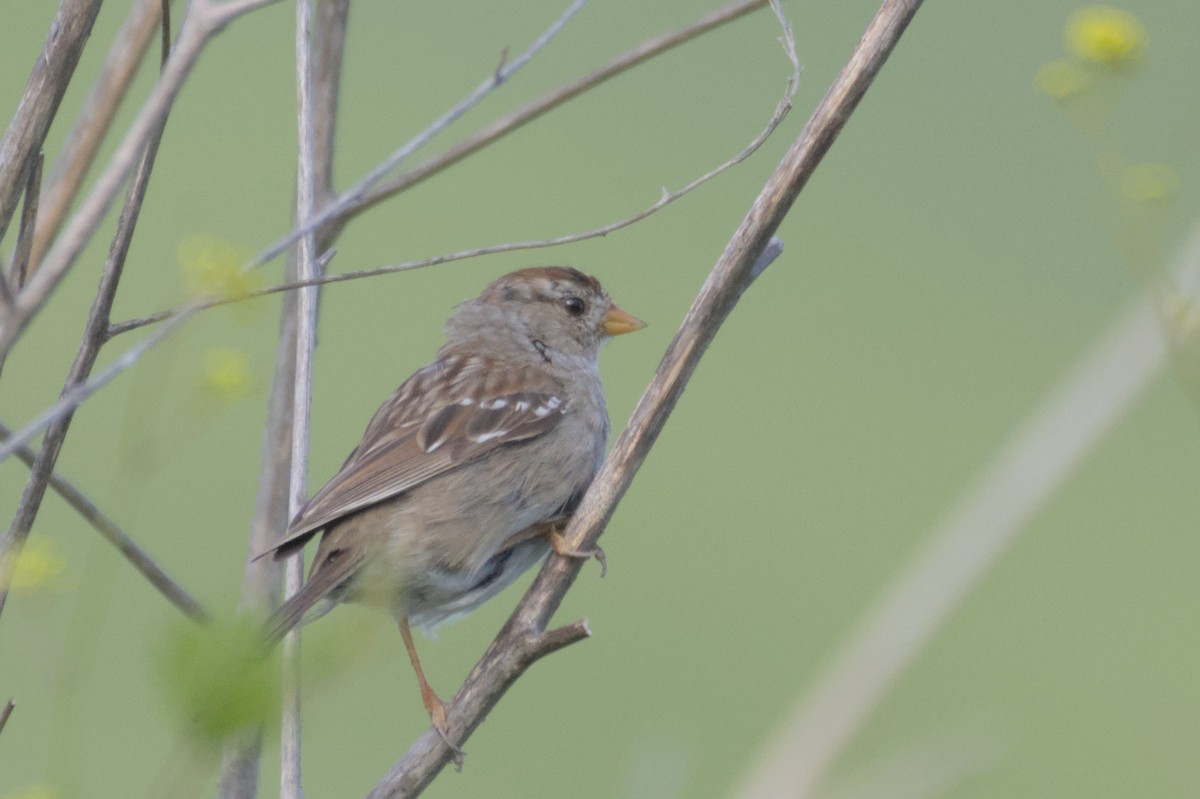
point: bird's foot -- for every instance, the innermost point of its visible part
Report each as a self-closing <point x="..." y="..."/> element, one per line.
<point x="560" y="546"/>
<point x="437" y="715"/>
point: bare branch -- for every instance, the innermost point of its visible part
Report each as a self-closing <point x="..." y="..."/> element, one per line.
<point x="260" y="583"/>
<point x="29" y="217"/>
<point x="306" y="322"/>
<point x="328" y="53"/>
<point x="94" y="120"/>
<point x="355" y="192"/>
<point x="43" y="92"/>
<point x="112" y="532"/>
<point x="506" y="658"/>
<point x="5" y="712"/>
<point x="531" y="111"/>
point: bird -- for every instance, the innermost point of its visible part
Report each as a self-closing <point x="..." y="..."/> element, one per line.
<point x="468" y="472"/>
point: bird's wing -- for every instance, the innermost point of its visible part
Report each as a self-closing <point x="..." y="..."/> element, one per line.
<point x="400" y="452"/>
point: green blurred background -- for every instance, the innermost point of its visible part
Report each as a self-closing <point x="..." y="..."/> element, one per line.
<point x="954" y="254"/>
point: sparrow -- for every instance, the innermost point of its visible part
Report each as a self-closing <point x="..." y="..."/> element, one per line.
<point x="467" y="474"/>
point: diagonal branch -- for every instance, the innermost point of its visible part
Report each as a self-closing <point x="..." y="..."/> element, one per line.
<point x="112" y="532"/>
<point x="5" y="712"/>
<point x="27" y="229"/>
<point x="43" y="92"/>
<point x="94" y="120"/>
<point x="1025" y="473"/>
<point x="519" y="643"/>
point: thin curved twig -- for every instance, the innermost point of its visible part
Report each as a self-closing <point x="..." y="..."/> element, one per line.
<point x="535" y="109"/>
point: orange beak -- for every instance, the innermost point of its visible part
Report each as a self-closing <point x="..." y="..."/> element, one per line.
<point x="618" y="322"/>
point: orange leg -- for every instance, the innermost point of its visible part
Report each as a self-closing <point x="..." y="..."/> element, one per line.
<point x="433" y="705"/>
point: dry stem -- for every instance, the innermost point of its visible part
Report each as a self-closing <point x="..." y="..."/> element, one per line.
<point x="112" y="532"/>
<point x="43" y="92"/>
<point x="94" y="120"/>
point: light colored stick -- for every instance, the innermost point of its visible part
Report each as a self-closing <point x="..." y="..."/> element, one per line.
<point x="260" y="582"/>
<point x="306" y="321"/>
<point x="1040" y="455"/>
<point x="94" y="121"/>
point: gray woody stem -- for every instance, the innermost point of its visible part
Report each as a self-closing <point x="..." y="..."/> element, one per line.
<point x="260" y="582"/>
<point x="306" y="322"/>
<point x="94" y="120"/>
<point x="113" y="533"/>
<point x="523" y="639"/>
<point x="43" y="92"/>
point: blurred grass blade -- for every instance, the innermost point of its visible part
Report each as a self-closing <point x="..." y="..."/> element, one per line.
<point x="1040" y="455"/>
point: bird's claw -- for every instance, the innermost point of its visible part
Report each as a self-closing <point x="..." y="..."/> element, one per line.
<point x="560" y="546"/>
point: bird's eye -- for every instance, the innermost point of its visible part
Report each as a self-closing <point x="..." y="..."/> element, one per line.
<point x="575" y="306"/>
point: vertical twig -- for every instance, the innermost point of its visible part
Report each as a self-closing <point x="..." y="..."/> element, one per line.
<point x="328" y="54"/>
<point x="306" y="307"/>
<point x="260" y="582"/>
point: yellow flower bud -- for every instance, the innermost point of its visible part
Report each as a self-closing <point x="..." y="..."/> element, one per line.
<point x="1106" y="35"/>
